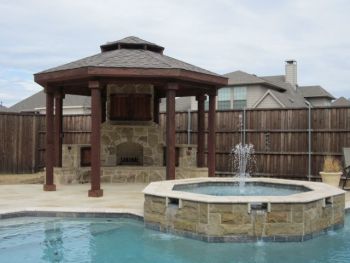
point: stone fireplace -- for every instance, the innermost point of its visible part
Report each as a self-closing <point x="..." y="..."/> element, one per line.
<point x="129" y="153"/>
<point x="131" y="150"/>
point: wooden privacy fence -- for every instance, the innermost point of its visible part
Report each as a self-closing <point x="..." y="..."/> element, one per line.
<point x="280" y="137"/>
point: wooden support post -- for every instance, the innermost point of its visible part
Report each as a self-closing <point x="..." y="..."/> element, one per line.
<point x="170" y="130"/>
<point x="200" y="129"/>
<point x="58" y="128"/>
<point x="49" y="150"/>
<point x="95" y="190"/>
<point x="211" y="135"/>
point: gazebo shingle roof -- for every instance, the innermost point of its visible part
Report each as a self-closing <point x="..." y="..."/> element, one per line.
<point x="130" y="57"/>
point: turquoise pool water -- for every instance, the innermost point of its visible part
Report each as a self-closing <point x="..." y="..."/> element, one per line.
<point x="126" y="240"/>
<point x="250" y="189"/>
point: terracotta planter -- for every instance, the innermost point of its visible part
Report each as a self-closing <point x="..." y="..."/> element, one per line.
<point x="331" y="178"/>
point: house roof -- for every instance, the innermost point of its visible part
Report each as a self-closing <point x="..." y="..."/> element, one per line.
<point x="38" y="100"/>
<point x="341" y="102"/>
<point x="291" y="97"/>
<point x="239" y="77"/>
<point x="3" y="108"/>
<point x="315" y="92"/>
<point x="130" y="56"/>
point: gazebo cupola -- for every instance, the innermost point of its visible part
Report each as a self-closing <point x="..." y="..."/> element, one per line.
<point x="126" y="81"/>
<point x="131" y="43"/>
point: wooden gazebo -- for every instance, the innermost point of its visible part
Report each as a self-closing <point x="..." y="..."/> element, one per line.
<point x="127" y="61"/>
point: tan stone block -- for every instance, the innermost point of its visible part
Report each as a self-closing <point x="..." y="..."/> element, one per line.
<point x="311" y="205"/>
<point x="298" y="207"/>
<point x="281" y="207"/>
<point x="283" y="229"/>
<point x="188" y="214"/>
<point x="202" y="228"/>
<point x="185" y="225"/>
<point x="298" y="216"/>
<point x="203" y="213"/>
<point x="214" y="230"/>
<point x="190" y="204"/>
<point x="152" y="140"/>
<point x="131" y="178"/>
<point x="141" y="177"/>
<point x="235" y="218"/>
<point x="118" y="178"/>
<point x="240" y="208"/>
<point x="242" y="229"/>
<point x="157" y="199"/>
<point x="106" y="179"/>
<point x="278" y="217"/>
<point x="220" y="208"/>
<point x="155" y="176"/>
<point x="158" y="208"/>
<point x="214" y="219"/>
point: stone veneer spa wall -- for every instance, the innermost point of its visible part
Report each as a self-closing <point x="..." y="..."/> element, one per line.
<point x="235" y="219"/>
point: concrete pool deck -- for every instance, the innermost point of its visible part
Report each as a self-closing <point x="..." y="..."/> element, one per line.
<point x="118" y="198"/>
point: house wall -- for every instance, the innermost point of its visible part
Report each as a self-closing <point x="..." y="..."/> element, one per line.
<point x="254" y="93"/>
<point x="268" y="102"/>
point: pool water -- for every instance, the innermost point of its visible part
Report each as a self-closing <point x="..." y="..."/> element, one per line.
<point x="249" y="189"/>
<point x="126" y="240"/>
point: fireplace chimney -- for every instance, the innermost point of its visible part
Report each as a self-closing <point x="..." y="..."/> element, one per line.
<point x="291" y="72"/>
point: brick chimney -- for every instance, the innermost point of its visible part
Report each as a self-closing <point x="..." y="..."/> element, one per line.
<point x="291" y="72"/>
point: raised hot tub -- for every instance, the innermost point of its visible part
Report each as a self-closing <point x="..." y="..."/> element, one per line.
<point x="303" y="211"/>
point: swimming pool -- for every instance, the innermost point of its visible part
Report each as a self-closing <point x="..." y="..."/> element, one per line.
<point x="39" y="239"/>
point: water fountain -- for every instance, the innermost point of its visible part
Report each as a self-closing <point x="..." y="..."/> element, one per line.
<point x="243" y="162"/>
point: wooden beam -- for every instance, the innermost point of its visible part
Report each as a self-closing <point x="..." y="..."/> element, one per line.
<point x="201" y="130"/>
<point x="103" y="72"/>
<point x="49" y="152"/>
<point x="211" y="135"/>
<point x="95" y="190"/>
<point x="170" y="131"/>
<point x="58" y="128"/>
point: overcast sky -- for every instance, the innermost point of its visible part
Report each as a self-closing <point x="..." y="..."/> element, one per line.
<point x="255" y="36"/>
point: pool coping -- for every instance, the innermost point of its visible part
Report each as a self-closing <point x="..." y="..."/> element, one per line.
<point x="70" y="213"/>
<point x="318" y="191"/>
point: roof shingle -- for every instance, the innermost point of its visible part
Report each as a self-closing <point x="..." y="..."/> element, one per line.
<point x="315" y="92"/>
<point x="131" y="58"/>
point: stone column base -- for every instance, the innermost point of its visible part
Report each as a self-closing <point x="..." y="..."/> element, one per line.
<point x="95" y="193"/>
<point x="49" y="187"/>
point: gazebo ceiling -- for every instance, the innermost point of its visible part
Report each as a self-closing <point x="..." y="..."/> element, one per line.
<point x="126" y="59"/>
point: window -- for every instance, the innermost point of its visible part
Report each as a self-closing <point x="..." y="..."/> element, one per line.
<point x="239" y="97"/>
<point x="130" y="107"/>
<point x="224" y="99"/>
